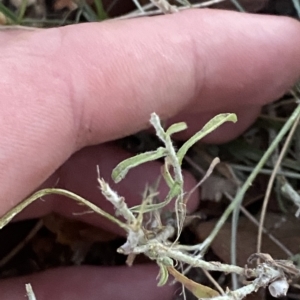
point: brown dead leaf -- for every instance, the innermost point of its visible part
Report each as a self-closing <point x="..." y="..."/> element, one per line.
<point x="214" y="187"/>
<point x="286" y="230"/>
<point x="198" y="290"/>
<point x="77" y="235"/>
<point x="69" y="232"/>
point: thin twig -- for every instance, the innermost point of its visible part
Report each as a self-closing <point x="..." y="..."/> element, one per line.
<point x="22" y="244"/>
<point x="265" y="231"/>
<point x="238" y="5"/>
<point x="214" y="282"/>
<point x="18" y="208"/>
<point x="206" y="175"/>
<point x="285" y="173"/>
<point x="271" y="181"/>
<point x="159" y="12"/>
<point x="138" y="5"/>
<point x="240" y="195"/>
<point x="233" y="260"/>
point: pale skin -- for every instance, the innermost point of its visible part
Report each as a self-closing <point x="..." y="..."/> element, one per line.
<point x="71" y="90"/>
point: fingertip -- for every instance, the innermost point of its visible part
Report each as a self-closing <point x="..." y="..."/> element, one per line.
<point x="87" y="282"/>
<point x="200" y="59"/>
<point x="255" y="60"/>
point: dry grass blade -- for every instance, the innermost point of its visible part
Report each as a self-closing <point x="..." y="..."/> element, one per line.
<point x="18" y="208"/>
<point x="22" y="244"/>
<point x="271" y="181"/>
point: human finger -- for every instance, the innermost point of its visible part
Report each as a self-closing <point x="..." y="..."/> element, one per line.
<point x="92" y="283"/>
<point x="202" y="60"/>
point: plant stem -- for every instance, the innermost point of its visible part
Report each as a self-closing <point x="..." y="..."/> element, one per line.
<point x="240" y="195"/>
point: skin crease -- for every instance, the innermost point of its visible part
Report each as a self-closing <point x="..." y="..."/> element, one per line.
<point x="66" y="91"/>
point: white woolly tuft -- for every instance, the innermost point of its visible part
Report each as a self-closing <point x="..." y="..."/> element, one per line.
<point x="279" y="288"/>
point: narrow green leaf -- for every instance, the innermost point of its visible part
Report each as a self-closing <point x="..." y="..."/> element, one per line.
<point x="163" y="275"/>
<point x="22" y="10"/>
<point x="174" y="192"/>
<point x="297" y="6"/>
<point x="102" y="15"/>
<point x="167" y="176"/>
<point x="89" y="13"/>
<point x="120" y="171"/>
<point x="176" y="128"/>
<point x="8" y="13"/>
<point x="213" y="124"/>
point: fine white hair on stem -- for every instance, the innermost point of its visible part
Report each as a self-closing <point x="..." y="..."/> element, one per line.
<point x="117" y="201"/>
<point x="151" y="232"/>
<point x="29" y="291"/>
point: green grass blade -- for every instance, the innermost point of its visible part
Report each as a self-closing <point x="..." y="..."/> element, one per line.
<point x="297" y="6"/>
<point x="8" y="14"/>
<point x="120" y="171"/>
<point x="22" y="10"/>
<point x="212" y="125"/>
<point x="176" y="128"/>
<point x="89" y="13"/>
<point x="102" y="15"/>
